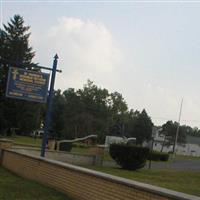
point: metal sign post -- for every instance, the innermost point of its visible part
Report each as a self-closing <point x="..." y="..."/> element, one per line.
<point x="30" y="85"/>
<point x="49" y="107"/>
<point x="151" y="151"/>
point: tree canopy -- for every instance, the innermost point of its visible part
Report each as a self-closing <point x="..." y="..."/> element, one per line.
<point x="93" y="110"/>
<point x="169" y="130"/>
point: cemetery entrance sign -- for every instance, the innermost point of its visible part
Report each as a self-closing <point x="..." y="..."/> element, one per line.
<point x="27" y="85"/>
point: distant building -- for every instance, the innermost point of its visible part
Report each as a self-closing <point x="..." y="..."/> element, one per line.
<point x="191" y="148"/>
<point x="116" y="140"/>
<point x="37" y="133"/>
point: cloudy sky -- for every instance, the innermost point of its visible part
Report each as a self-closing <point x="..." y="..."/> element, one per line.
<point x="147" y="50"/>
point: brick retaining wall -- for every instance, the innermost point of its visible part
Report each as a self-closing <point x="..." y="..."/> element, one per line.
<point x="72" y="158"/>
<point x="84" y="184"/>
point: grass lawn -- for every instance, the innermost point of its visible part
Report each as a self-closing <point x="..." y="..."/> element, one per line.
<point x="25" y="140"/>
<point x="13" y="187"/>
<point x="182" y="181"/>
<point x="80" y="150"/>
<point x="182" y="157"/>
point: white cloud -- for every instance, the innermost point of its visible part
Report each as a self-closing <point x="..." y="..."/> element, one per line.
<point x="86" y="49"/>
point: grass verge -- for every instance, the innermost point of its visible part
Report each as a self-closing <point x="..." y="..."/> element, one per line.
<point x="25" y="140"/>
<point x="13" y="187"/>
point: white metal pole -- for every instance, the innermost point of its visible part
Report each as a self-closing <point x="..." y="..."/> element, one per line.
<point x="177" y="130"/>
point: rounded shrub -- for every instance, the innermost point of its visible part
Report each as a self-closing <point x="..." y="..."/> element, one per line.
<point x="129" y="157"/>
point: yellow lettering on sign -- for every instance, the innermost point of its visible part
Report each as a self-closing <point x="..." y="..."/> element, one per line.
<point x="15" y="73"/>
<point x="15" y="93"/>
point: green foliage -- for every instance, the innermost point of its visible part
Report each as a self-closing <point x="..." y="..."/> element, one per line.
<point x="169" y="130"/>
<point x="91" y="110"/>
<point x="158" y="156"/>
<point x="15" y="51"/>
<point x="191" y="131"/>
<point x="17" y="43"/>
<point x="142" y="128"/>
<point x="129" y="157"/>
<point x="25" y="140"/>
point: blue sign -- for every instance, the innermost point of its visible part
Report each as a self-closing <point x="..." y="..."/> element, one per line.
<point x="27" y="85"/>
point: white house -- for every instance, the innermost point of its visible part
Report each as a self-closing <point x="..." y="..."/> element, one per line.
<point x="191" y="148"/>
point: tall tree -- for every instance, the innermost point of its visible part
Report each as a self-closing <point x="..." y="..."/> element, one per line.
<point x="14" y="47"/>
<point x="90" y="110"/>
<point x="58" y="112"/>
<point x="18" y="41"/>
<point x="15" y="51"/>
<point x="169" y="129"/>
<point x="93" y="110"/>
<point x="142" y="127"/>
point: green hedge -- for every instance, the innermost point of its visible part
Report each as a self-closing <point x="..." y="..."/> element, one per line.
<point x="158" y="156"/>
<point x="129" y="157"/>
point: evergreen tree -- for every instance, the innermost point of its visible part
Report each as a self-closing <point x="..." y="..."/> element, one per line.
<point x="15" y="51"/>
<point x="142" y="127"/>
<point x="18" y="41"/>
<point x="14" y="48"/>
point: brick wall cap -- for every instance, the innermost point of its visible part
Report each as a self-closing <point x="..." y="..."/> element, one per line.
<point x="50" y="151"/>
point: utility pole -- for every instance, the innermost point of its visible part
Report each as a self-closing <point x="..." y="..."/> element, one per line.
<point x="177" y="130"/>
<point x="153" y="136"/>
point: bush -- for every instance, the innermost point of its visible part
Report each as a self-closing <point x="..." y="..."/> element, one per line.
<point x="129" y="157"/>
<point x="158" y="156"/>
<point x="65" y="146"/>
